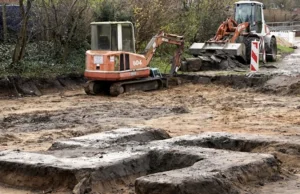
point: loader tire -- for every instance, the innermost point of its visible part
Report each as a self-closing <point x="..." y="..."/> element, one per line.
<point x="247" y="42"/>
<point x="271" y="50"/>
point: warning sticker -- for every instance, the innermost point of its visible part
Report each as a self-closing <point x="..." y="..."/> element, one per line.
<point x="98" y="59"/>
<point x="112" y="59"/>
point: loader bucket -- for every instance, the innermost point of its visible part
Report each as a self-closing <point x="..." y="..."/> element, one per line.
<point x="209" y="49"/>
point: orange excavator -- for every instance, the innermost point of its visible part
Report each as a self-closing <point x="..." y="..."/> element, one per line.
<point x="114" y="67"/>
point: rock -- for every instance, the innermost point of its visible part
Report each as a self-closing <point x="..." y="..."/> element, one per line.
<point x="180" y="110"/>
<point x="83" y="187"/>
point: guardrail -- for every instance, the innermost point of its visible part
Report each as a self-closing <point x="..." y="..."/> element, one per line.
<point x="289" y="36"/>
<point x="282" y="26"/>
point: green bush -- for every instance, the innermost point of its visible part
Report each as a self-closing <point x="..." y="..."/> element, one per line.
<point x="60" y="38"/>
<point x="40" y="61"/>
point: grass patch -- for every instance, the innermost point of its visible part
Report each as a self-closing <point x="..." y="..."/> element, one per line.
<point x="284" y="50"/>
<point x="162" y="63"/>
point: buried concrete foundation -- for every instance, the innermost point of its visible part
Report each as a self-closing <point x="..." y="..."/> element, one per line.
<point x="115" y="161"/>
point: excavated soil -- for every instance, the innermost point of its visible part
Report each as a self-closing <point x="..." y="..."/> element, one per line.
<point x="208" y="104"/>
<point x="15" y="86"/>
<point x="35" y="123"/>
<point x="114" y="161"/>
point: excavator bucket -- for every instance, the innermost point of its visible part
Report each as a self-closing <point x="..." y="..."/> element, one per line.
<point x="211" y="50"/>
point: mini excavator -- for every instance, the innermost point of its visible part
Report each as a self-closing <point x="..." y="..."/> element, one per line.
<point x="114" y="67"/>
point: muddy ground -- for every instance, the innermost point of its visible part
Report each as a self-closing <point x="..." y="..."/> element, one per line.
<point x="34" y="123"/>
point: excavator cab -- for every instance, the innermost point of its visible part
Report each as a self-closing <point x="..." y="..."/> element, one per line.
<point x="113" y="36"/>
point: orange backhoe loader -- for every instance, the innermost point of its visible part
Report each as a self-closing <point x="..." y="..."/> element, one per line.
<point x="114" y="67"/>
<point x="234" y="36"/>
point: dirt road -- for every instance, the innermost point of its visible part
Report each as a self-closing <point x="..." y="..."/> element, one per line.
<point x="34" y="123"/>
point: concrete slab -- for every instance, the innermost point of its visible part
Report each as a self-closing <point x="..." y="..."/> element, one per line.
<point x="110" y="161"/>
<point x="102" y="158"/>
<point x="218" y="172"/>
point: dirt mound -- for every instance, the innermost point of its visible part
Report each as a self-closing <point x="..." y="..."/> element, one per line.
<point x="39" y="122"/>
<point x="219" y="61"/>
<point x="18" y="86"/>
<point x="283" y="42"/>
<point x="114" y="161"/>
<point x="235" y="80"/>
<point x="282" y="85"/>
<point x="4" y="138"/>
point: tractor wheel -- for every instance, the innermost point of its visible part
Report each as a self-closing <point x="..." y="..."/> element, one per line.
<point x="271" y="50"/>
<point x="247" y="42"/>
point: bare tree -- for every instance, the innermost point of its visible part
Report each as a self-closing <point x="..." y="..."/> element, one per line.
<point x="71" y="31"/>
<point x="46" y="17"/>
<point x="63" y="23"/>
<point x="152" y="16"/>
<point x="5" y="33"/>
<point x="19" y="51"/>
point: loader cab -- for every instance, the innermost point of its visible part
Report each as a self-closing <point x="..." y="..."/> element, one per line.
<point x="252" y="12"/>
<point x="112" y="36"/>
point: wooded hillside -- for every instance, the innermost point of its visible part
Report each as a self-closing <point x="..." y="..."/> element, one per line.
<point x="54" y="34"/>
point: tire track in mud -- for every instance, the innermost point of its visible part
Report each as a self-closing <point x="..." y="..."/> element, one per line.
<point x="117" y="113"/>
<point x="187" y="109"/>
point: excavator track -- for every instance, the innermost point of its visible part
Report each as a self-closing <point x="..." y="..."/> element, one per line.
<point x="88" y="88"/>
<point x="96" y="87"/>
<point x="138" y="85"/>
<point x="117" y="88"/>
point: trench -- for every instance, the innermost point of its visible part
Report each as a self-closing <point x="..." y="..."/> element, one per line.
<point x="166" y="155"/>
<point x="224" y="143"/>
<point x="161" y="161"/>
<point x="234" y="80"/>
<point x="242" y="145"/>
<point x="287" y="153"/>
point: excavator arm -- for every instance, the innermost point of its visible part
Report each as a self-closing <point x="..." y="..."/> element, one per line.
<point x="161" y="38"/>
